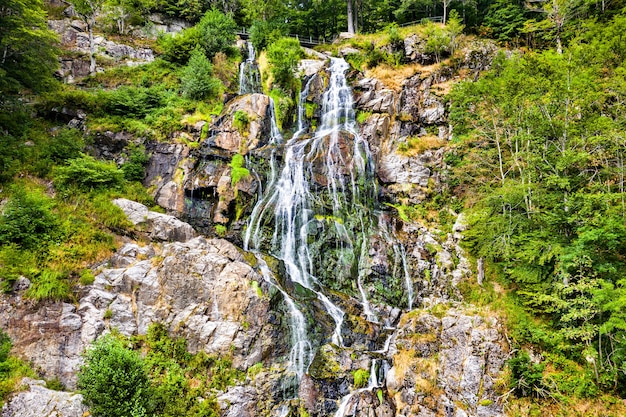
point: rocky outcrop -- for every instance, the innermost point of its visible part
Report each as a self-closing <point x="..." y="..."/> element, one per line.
<point x="200" y="289"/>
<point x="243" y="126"/>
<point x="73" y="35"/>
<point x="39" y="401"/>
<point x="158" y="226"/>
<point x="447" y="365"/>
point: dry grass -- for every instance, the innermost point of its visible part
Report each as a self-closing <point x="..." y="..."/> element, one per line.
<point x="606" y="406"/>
<point x="393" y="77"/>
<point x="418" y="145"/>
<point x="403" y="361"/>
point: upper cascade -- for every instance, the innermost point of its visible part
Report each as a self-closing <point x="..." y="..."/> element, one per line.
<point x="249" y="77"/>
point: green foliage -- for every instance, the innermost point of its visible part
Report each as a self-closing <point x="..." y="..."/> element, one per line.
<point x="241" y="121"/>
<point x="544" y="190"/>
<point x="220" y="230"/>
<point x="12" y="370"/>
<point x="197" y="80"/>
<point x="63" y="145"/>
<point x="283" y="56"/>
<point x="27" y="220"/>
<point x="113" y="380"/>
<point x="217" y="32"/>
<point x="29" y="55"/>
<point x="504" y="20"/>
<point x="238" y="171"/>
<point x="361" y="377"/>
<point x="134" y="167"/>
<point x="283" y="104"/>
<point x="86" y="277"/>
<point x="87" y="173"/>
<point x="178" y="48"/>
<point x="264" y="33"/>
<point x="50" y="285"/>
<point x="526" y="375"/>
<point x="15" y="262"/>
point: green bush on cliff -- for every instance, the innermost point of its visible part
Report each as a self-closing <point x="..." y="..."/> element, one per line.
<point x="114" y="381"/>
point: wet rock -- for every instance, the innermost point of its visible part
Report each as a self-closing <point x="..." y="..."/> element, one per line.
<point x="309" y="67"/>
<point x="38" y="401"/>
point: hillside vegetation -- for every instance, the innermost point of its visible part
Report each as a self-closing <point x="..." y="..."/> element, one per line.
<point x="535" y="165"/>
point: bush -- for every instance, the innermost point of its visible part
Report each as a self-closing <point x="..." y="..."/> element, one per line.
<point x="197" y="80"/>
<point x="113" y="380"/>
<point x="27" y="219"/>
<point x="177" y="48"/>
<point x="217" y="32"/>
<point x="88" y="173"/>
<point x="283" y="56"/>
<point x="134" y="167"/>
<point x="66" y="144"/>
<point x="238" y="169"/>
<point x="264" y="33"/>
<point x="50" y="285"/>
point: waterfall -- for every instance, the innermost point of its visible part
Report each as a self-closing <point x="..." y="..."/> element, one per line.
<point x="249" y="77"/>
<point x="317" y="216"/>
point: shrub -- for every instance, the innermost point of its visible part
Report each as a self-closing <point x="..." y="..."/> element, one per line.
<point x="50" y="285"/>
<point x="197" y="81"/>
<point x="283" y="56"/>
<point x="361" y="377"/>
<point x="13" y="263"/>
<point x="113" y="380"/>
<point x="65" y="144"/>
<point x="27" y="219"/>
<point x="178" y="48"/>
<point x="88" y="173"/>
<point x="264" y="33"/>
<point x="216" y="32"/>
<point x="241" y="121"/>
<point x="134" y="167"/>
<point x="238" y="170"/>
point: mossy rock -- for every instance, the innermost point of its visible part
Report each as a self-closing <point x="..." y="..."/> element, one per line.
<point x="326" y="364"/>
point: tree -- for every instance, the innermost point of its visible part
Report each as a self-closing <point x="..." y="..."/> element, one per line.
<point x="284" y="55"/>
<point x="28" y="55"/>
<point x="87" y="11"/>
<point x="217" y="32"/>
<point x="114" y="381"/>
<point x="197" y="81"/>
<point x="351" y="16"/>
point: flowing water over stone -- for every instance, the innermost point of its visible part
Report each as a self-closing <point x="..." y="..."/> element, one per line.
<point x="317" y="214"/>
<point x="249" y="77"/>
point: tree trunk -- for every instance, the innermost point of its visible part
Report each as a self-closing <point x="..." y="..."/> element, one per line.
<point x="92" y="47"/>
<point x="350" y="17"/>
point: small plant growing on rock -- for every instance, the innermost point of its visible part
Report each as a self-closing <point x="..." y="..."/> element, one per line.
<point x="241" y="121"/>
<point x="238" y="170"/>
<point x="361" y="376"/>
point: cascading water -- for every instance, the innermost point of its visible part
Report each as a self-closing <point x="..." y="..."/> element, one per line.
<point x="317" y="217"/>
<point x="249" y="77"/>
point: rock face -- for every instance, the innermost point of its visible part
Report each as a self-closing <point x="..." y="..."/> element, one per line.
<point x="38" y="401"/>
<point x="200" y="289"/>
<point x="73" y="35"/>
<point x="447" y="365"/>
<point x="158" y="226"/>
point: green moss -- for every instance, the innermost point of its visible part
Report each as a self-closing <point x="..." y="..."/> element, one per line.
<point x="220" y="230"/>
<point x="485" y="402"/>
<point x="361" y="377"/>
<point x="238" y="170"/>
<point x="325" y="364"/>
